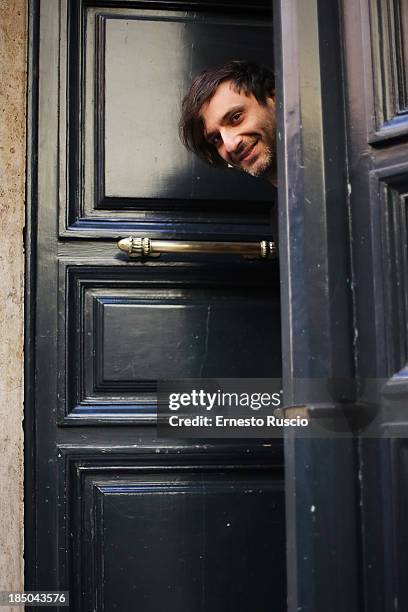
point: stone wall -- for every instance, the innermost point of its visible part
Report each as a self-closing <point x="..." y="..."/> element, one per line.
<point x="13" y="63"/>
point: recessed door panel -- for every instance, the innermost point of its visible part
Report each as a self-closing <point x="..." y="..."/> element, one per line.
<point x="124" y="328"/>
<point x="122" y="164"/>
<point x="170" y="539"/>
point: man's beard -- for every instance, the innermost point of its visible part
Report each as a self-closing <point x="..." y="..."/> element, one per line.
<point x="263" y="167"/>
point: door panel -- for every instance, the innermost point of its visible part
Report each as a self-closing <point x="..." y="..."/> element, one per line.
<point x="146" y="61"/>
<point x="124" y="327"/>
<point x="118" y="517"/>
<point x="157" y="534"/>
<point x="125" y="166"/>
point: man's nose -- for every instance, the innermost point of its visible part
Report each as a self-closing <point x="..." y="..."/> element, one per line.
<point x="230" y="139"/>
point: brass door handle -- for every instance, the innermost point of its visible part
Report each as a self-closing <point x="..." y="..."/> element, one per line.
<point x="147" y="247"/>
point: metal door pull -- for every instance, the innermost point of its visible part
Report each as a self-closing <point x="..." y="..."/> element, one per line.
<point x="146" y="247"/>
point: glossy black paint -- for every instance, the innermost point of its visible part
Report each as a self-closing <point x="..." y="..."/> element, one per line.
<point x="101" y="195"/>
<point x="168" y="526"/>
<point x="376" y="72"/>
<point x="118" y="517"/>
<point x="341" y="71"/>
<point x="126" y="326"/>
<point x="317" y="323"/>
<point x="175" y="47"/>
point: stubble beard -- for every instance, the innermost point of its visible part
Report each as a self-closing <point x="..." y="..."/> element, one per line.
<point x="262" y="166"/>
<point x="265" y="166"/>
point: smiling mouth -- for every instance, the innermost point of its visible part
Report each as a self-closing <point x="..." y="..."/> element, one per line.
<point x="247" y="154"/>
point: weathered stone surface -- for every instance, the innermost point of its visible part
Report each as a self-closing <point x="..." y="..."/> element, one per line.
<point x="13" y="48"/>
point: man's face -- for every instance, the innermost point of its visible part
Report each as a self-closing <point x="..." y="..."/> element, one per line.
<point x="242" y="130"/>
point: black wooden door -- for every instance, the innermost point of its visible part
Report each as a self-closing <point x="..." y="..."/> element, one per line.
<point x="120" y="518"/>
<point x="377" y="94"/>
<point x="343" y="209"/>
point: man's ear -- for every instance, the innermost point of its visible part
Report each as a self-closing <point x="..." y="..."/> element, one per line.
<point x="271" y="98"/>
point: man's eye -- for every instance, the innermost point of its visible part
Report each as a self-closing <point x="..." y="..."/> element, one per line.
<point x="236" y="117"/>
<point x="215" y="140"/>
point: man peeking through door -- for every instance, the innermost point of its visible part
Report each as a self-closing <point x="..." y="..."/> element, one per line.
<point x="228" y="118"/>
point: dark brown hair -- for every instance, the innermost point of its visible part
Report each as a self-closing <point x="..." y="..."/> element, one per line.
<point x="248" y="77"/>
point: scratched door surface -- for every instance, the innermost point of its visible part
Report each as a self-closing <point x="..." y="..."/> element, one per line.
<point x="120" y="518"/>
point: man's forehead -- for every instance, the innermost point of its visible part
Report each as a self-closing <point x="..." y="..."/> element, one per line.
<point x="225" y="97"/>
